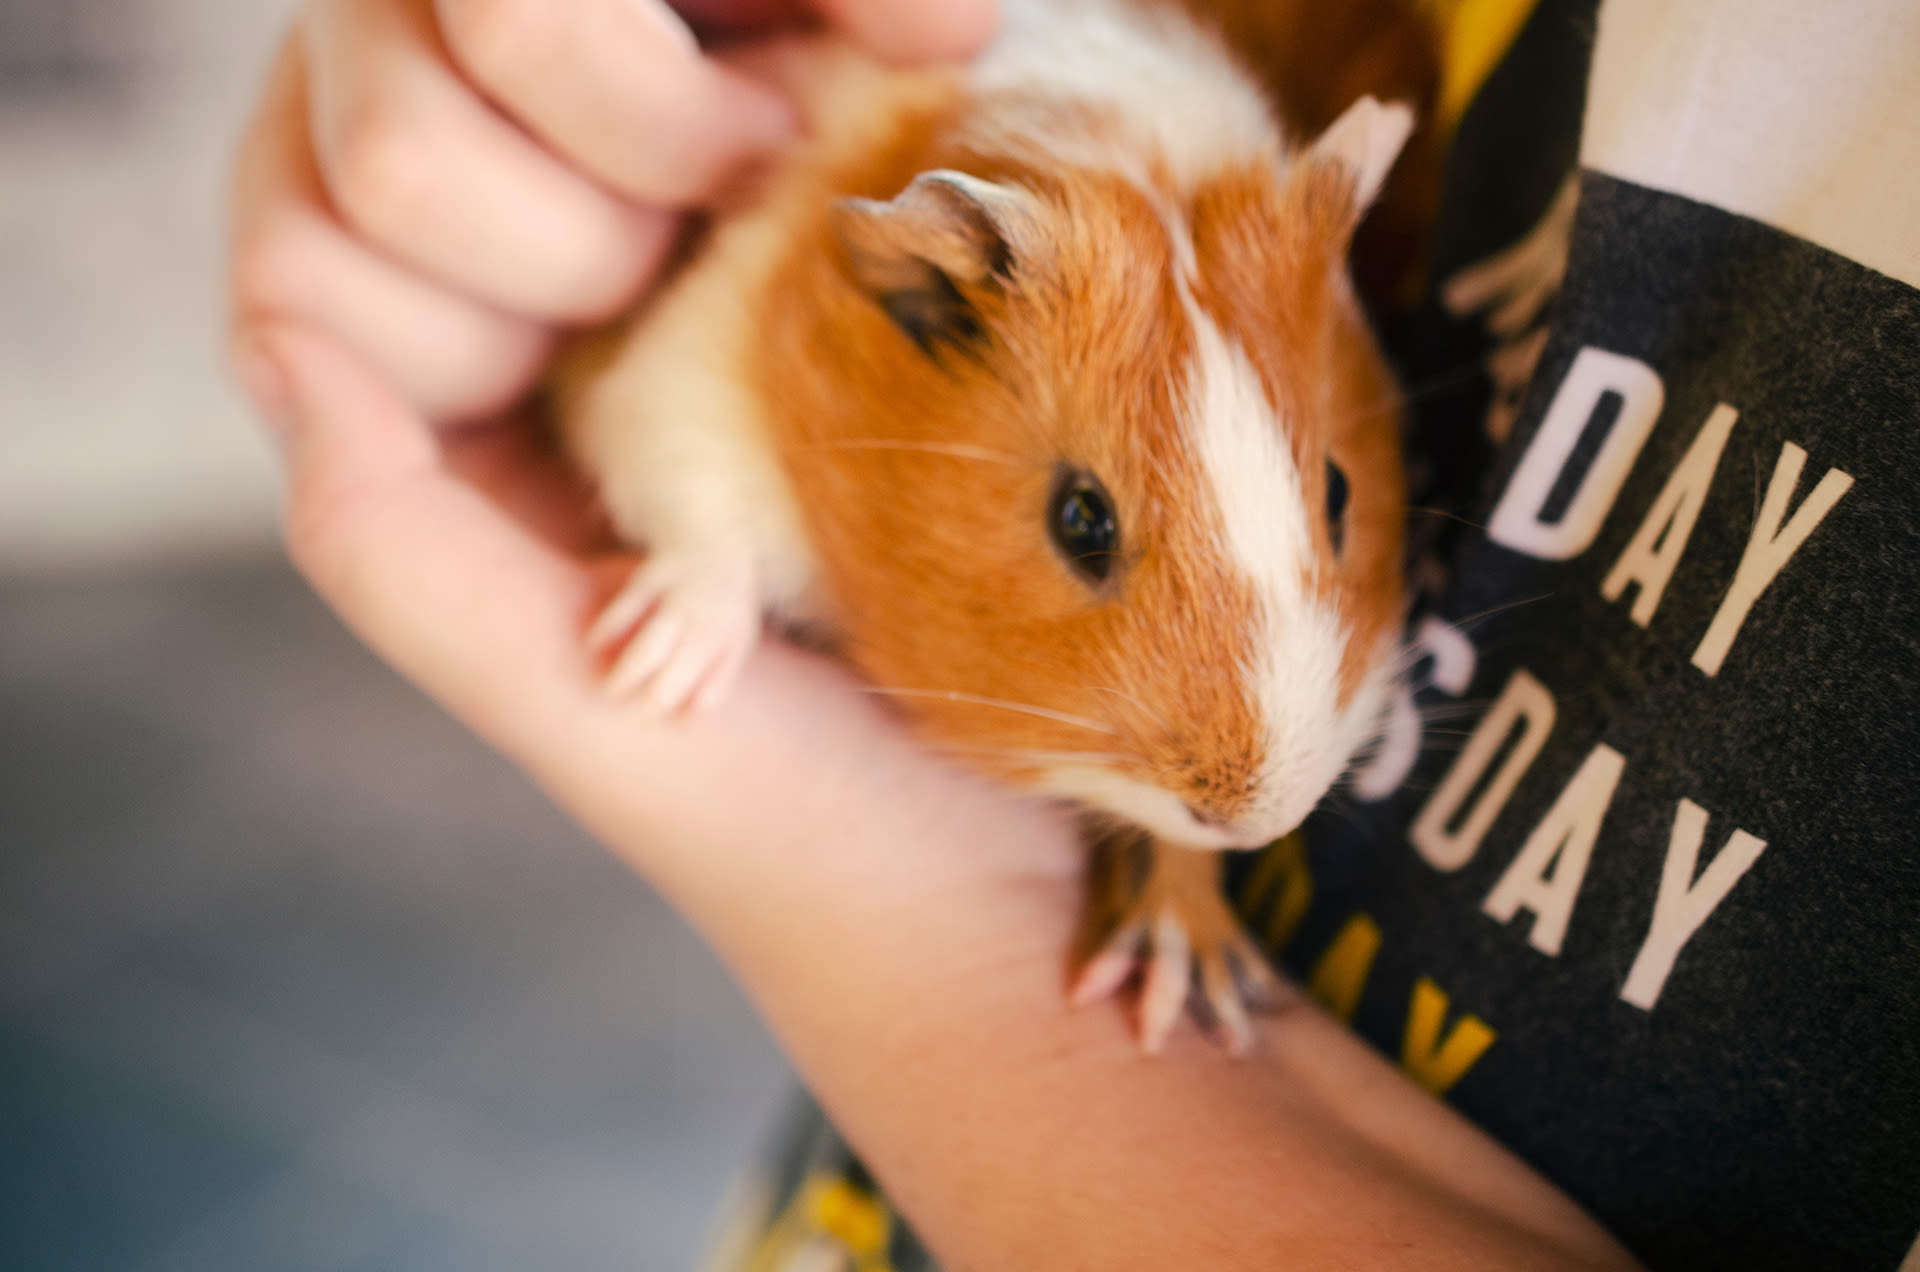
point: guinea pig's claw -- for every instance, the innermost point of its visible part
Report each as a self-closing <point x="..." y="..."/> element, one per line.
<point x="1169" y="978"/>
<point x="1222" y="997"/>
<point x="1168" y="922"/>
<point x="679" y="631"/>
<point x="1109" y="969"/>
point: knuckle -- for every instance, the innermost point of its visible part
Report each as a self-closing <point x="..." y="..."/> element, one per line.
<point x="495" y="39"/>
<point x="601" y="287"/>
<point x="380" y="171"/>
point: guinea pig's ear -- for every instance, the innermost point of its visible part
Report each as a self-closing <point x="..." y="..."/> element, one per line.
<point x="1349" y="162"/>
<point x="916" y="252"/>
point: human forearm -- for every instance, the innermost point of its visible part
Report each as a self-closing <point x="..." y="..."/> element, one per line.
<point x="904" y="933"/>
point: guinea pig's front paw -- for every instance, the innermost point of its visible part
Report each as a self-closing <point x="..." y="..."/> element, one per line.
<point x="680" y="629"/>
<point x="1157" y="909"/>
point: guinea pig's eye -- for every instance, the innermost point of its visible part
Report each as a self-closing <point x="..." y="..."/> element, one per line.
<point x="1081" y="523"/>
<point x="1336" y="505"/>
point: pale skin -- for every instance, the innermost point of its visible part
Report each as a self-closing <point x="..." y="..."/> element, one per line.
<point x="428" y="194"/>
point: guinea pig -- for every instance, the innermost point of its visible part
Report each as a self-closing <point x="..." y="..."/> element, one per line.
<point x="1040" y="385"/>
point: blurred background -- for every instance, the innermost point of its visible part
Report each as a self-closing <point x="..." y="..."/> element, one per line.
<point x="293" y="974"/>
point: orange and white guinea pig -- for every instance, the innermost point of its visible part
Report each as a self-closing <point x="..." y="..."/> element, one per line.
<point x="1040" y="384"/>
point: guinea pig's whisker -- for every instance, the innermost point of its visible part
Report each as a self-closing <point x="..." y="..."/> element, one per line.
<point x="1134" y="702"/>
<point x="1447" y="379"/>
<point x="1470" y="620"/>
<point x="1408" y="659"/>
<point x="974" y="699"/>
<point x="1452" y="712"/>
<point x="955" y="450"/>
<point x="1413" y="653"/>
<point x="1442" y="742"/>
<point x="1037" y="756"/>
<point x="1364" y="752"/>
<point x="1336" y="804"/>
<point x="1412" y="393"/>
<point x="1443" y="514"/>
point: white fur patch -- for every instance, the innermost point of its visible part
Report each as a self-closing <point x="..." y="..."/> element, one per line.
<point x="1299" y="642"/>
<point x="673" y="430"/>
<point x="1177" y="94"/>
<point x="675" y="435"/>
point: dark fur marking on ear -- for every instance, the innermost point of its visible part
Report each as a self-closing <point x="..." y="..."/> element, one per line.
<point x="919" y="254"/>
<point x="936" y="316"/>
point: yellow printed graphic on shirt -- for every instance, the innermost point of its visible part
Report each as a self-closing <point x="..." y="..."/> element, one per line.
<point x="1439" y="1043"/>
<point x="832" y="1225"/>
<point x="1474" y="37"/>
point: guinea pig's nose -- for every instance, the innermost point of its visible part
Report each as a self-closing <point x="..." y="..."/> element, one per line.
<point x="1211" y="820"/>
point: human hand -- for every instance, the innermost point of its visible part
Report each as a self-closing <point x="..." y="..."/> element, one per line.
<point x="431" y="190"/>
<point x="437" y="185"/>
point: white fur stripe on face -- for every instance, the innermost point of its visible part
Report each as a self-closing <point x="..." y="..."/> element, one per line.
<point x="1177" y="112"/>
<point x="1299" y="641"/>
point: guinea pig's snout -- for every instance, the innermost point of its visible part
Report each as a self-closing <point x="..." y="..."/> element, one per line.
<point x="1218" y="799"/>
<point x="1224" y="829"/>
<point x="1207" y="817"/>
<point x="1240" y="823"/>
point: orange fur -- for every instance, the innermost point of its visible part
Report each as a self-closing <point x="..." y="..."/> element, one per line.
<point x="922" y="478"/>
<point x="863" y="390"/>
<point x="1315" y="58"/>
<point x="1281" y="285"/>
<point x="942" y="576"/>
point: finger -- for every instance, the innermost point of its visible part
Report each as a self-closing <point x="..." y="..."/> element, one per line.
<point x="915" y="30"/>
<point x="620" y="88"/>
<point x="414" y="160"/>
<point x="292" y="262"/>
